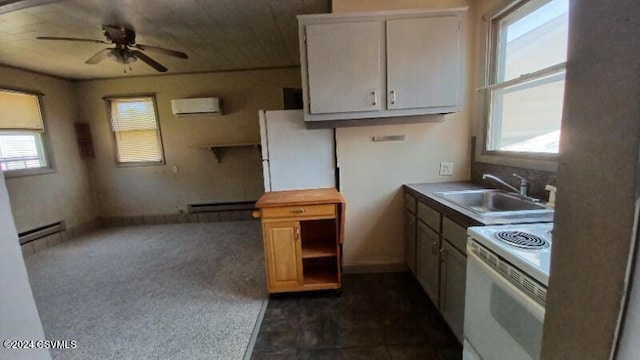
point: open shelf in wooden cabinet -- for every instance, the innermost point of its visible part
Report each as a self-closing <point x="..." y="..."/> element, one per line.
<point x="320" y="271"/>
<point x="319" y="238"/>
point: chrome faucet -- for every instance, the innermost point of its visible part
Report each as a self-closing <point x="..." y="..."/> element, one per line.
<point x="524" y="184"/>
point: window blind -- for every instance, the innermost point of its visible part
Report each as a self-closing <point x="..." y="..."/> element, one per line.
<point x="133" y="114"/>
<point x="20" y="111"/>
<point x="135" y="129"/>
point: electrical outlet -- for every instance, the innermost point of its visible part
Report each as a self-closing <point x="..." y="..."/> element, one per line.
<point x="446" y="168"/>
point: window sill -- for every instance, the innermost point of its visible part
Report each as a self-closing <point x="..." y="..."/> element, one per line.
<point x="12" y="174"/>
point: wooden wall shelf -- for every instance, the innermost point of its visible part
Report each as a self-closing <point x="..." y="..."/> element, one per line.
<point x="218" y="149"/>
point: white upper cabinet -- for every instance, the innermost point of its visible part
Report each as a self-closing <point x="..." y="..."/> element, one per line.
<point x="422" y="63"/>
<point x="381" y="64"/>
<point x="344" y="67"/>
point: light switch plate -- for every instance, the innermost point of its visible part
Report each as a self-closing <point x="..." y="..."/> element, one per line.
<point x="446" y="168"/>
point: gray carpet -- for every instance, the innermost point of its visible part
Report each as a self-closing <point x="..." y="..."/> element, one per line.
<point x="183" y="291"/>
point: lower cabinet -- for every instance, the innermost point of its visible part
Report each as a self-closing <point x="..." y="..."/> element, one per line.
<point x="437" y="247"/>
<point x="282" y="249"/>
<point x="428" y="260"/>
<point x="410" y="241"/>
<point x="453" y="274"/>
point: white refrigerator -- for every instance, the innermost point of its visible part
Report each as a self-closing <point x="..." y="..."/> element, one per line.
<point x="294" y="157"/>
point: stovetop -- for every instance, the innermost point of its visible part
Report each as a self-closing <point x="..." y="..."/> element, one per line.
<point x="525" y="246"/>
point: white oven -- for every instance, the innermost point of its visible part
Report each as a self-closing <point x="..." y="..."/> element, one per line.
<point x="504" y="303"/>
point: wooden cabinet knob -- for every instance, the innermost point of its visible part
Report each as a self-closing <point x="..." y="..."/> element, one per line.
<point x="256" y="214"/>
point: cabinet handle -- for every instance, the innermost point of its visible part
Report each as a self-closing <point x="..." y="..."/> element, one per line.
<point x="443" y="256"/>
<point x="393" y="97"/>
<point x="297" y="211"/>
<point x="434" y="248"/>
<point x="297" y="233"/>
<point x="375" y="98"/>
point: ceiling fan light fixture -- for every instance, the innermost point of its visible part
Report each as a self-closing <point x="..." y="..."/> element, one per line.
<point x="122" y="56"/>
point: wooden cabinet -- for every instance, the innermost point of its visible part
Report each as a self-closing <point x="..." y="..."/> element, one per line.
<point x="453" y="275"/>
<point x="282" y="248"/>
<point x="428" y="261"/>
<point x="382" y="64"/>
<point x="302" y="234"/>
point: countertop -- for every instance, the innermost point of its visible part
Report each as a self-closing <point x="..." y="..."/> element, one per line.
<point x="300" y="197"/>
<point x="425" y="192"/>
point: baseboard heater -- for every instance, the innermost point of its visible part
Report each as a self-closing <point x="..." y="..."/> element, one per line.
<point x="229" y="206"/>
<point x="38" y="233"/>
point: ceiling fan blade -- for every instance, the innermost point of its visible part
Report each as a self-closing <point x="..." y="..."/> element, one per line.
<point x="71" y="39"/>
<point x="175" y="53"/>
<point x="149" y="61"/>
<point x="99" y="56"/>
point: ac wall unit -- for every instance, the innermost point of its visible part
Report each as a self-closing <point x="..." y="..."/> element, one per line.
<point x="196" y="106"/>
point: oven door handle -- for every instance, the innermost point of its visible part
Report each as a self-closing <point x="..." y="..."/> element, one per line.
<point x="518" y="295"/>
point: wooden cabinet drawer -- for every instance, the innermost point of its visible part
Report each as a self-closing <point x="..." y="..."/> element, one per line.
<point x="455" y="234"/>
<point x="410" y="203"/>
<point x="429" y="216"/>
<point x="299" y="211"/>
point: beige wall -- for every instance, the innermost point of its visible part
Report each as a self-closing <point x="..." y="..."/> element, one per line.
<point x="372" y="174"/>
<point x="153" y="190"/>
<point x="66" y="194"/>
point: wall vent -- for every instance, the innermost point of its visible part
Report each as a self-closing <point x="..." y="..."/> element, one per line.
<point x="40" y="232"/>
<point x="229" y="206"/>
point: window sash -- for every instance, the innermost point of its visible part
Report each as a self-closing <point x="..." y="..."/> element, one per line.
<point x="495" y="135"/>
<point x="493" y="85"/>
<point x="16" y="154"/>
<point x="136" y="130"/>
<point x="540" y="74"/>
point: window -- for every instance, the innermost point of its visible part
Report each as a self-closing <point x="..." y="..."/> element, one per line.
<point x="525" y="87"/>
<point x="21" y="132"/>
<point x="136" y="131"/>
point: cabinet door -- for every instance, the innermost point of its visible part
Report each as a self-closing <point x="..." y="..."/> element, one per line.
<point x="283" y="254"/>
<point x="423" y="62"/>
<point x="343" y="66"/>
<point x="410" y="240"/>
<point x="428" y="260"/>
<point x="452" y="287"/>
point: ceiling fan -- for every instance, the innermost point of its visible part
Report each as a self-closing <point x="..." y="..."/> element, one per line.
<point x="124" y="39"/>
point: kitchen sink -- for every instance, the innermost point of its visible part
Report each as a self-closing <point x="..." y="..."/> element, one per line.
<point x="492" y="202"/>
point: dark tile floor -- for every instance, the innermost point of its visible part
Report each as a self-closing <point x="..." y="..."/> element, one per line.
<point x="378" y="316"/>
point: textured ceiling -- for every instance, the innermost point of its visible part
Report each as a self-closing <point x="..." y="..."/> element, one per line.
<point x="216" y="34"/>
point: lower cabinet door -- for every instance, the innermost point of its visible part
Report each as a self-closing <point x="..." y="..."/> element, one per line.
<point x="410" y="241"/>
<point x="282" y="254"/>
<point x="453" y="275"/>
<point x="428" y="260"/>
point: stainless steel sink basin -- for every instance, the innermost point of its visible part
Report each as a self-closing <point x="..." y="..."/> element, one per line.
<point x="491" y="202"/>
